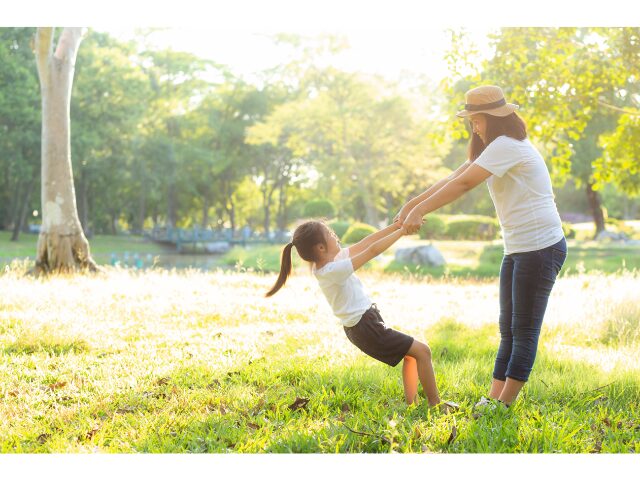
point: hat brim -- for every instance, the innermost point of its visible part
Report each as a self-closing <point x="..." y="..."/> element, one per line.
<point x="502" y="111"/>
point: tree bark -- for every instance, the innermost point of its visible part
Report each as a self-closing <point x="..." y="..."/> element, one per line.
<point x="62" y="245"/>
<point x="595" y="205"/>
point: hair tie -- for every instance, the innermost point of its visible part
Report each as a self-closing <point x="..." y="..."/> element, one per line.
<point x="291" y="244"/>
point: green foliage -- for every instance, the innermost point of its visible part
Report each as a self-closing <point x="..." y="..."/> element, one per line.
<point x="574" y="88"/>
<point x="20" y="125"/>
<point x="568" y="230"/>
<point x="621" y="151"/>
<point x="340" y="227"/>
<point x="475" y="227"/>
<point x="153" y="142"/>
<point x="357" y="231"/>
<point x="320" y="208"/>
<point x="434" y="227"/>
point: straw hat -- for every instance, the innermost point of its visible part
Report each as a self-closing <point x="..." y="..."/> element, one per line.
<point x="487" y="99"/>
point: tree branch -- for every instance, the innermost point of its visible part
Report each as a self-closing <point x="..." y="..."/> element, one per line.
<point x="67" y="48"/>
<point x="44" y="47"/>
<point x="635" y="113"/>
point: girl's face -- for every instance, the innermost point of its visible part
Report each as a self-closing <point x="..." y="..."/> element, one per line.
<point x="333" y="242"/>
<point x="479" y="125"/>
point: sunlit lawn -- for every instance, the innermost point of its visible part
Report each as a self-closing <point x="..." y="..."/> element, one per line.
<point x="194" y="362"/>
<point x="464" y="258"/>
<point x="100" y="244"/>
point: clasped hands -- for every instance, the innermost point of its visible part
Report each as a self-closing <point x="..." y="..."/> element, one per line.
<point x="409" y="219"/>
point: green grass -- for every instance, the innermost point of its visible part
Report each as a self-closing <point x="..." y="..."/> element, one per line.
<point x="475" y="259"/>
<point x="100" y="244"/>
<point x="195" y="362"/>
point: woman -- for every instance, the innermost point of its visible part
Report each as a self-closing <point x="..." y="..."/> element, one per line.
<point x="534" y="244"/>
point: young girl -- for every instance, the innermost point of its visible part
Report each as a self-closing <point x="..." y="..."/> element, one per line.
<point x="334" y="268"/>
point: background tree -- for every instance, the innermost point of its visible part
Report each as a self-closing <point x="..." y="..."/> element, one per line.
<point x="62" y="245"/>
<point x="107" y="106"/>
<point x="563" y="78"/>
<point x="19" y="129"/>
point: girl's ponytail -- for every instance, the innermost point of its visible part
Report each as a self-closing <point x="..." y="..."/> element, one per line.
<point x="285" y="270"/>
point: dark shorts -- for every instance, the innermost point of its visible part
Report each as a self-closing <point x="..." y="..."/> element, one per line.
<point x="377" y="340"/>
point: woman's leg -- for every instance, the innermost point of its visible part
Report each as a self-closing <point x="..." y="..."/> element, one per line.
<point x="422" y="354"/>
<point x="410" y="379"/>
<point x="534" y="275"/>
<point x="496" y="388"/>
<point x="510" y="391"/>
<point x="506" y="338"/>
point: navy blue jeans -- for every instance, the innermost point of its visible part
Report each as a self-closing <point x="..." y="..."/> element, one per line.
<point x="526" y="280"/>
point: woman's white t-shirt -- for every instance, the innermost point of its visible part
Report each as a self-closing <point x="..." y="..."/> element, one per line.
<point x="520" y="188"/>
<point x="343" y="290"/>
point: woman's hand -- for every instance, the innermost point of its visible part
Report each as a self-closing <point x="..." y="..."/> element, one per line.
<point x="413" y="222"/>
<point x="402" y="214"/>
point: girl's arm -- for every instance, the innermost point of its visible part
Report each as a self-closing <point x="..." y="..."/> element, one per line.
<point x="376" y="248"/>
<point x="411" y="204"/>
<point x="453" y="190"/>
<point x="363" y="244"/>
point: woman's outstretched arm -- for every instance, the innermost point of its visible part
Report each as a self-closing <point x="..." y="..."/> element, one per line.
<point x="410" y="205"/>
<point x="452" y="190"/>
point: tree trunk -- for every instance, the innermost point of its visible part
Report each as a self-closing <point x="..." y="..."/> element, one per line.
<point x="83" y="203"/>
<point x="24" y="208"/>
<point x="282" y="208"/>
<point x="205" y="212"/>
<point x="62" y="246"/>
<point x="232" y="216"/>
<point x="595" y="205"/>
<point x="142" y="211"/>
<point x="267" y="196"/>
<point x="171" y="190"/>
<point x="14" y="204"/>
<point x="114" y="223"/>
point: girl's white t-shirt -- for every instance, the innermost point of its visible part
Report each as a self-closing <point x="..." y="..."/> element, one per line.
<point x="520" y="188"/>
<point x="343" y="290"/>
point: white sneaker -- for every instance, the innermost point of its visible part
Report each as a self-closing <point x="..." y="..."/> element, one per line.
<point x="483" y="403"/>
<point x="487" y="405"/>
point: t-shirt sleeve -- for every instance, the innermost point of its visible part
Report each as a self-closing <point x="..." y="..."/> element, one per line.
<point x="337" y="272"/>
<point x="342" y="254"/>
<point x="498" y="157"/>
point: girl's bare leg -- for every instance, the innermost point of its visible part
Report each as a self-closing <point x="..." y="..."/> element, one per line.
<point x="410" y="379"/>
<point x="422" y="353"/>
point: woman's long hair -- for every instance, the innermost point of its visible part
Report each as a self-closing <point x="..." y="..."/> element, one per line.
<point x="512" y="126"/>
<point x="305" y="238"/>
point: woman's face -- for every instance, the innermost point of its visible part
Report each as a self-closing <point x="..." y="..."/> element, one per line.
<point x="479" y="125"/>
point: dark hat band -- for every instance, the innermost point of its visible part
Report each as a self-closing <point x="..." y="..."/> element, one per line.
<point x="487" y="106"/>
